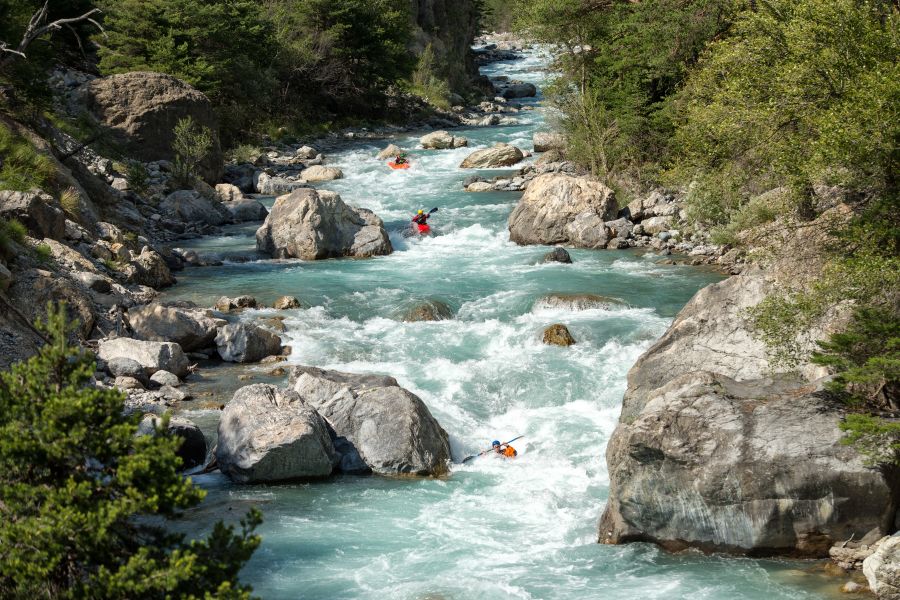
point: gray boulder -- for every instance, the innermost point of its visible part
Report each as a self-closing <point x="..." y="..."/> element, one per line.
<point x="164" y="378"/>
<point x="390" y="152"/>
<point x="190" y="329"/>
<point x="153" y="356"/>
<point x="271" y="185"/>
<point x="321" y="173"/>
<point x="442" y="140"/>
<point x="149" y="268"/>
<point x="269" y="434"/>
<point x="189" y="206"/>
<point x="558" y="208"/>
<point x="315" y="224"/>
<point x="518" y="89"/>
<point x="246" y="210"/>
<point x="244" y="343"/>
<point x="547" y="140"/>
<point x="94" y="282"/>
<point x="120" y="366"/>
<point x="747" y="467"/>
<point x="560" y="255"/>
<point x="36" y="211"/>
<point x="226" y="304"/>
<point x="390" y="428"/>
<point x="193" y="443"/>
<point x="500" y="155"/>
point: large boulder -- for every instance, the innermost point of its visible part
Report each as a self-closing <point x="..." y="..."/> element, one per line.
<point x="517" y="89"/>
<point x="269" y="434"/>
<point x="244" y="343"/>
<point x="142" y="109"/>
<point x="442" y="140"/>
<point x="149" y="268"/>
<point x="752" y="467"/>
<point x="321" y="173"/>
<point x="271" y="185"/>
<point x="882" y="569"/>
<point x="315" y="224"/>
<point x="390" y="152"/>
<point x="189" y="206"/>
<point x="246" y="210"/>
<point x="190" y="329"/>
<point x="153" y="356"/>
<point x="389" y="428"/>
<point x="561" y="209"/>
<point x="500" y="155"/>
<point x="35" y="210"/>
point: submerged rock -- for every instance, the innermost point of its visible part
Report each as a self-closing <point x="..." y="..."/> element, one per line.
<point x="269" y="434"/>
<point x="560" y="255"/>
<point x="430" y="310"/>
<point x="575" y="302"/>
<point x="558" y="335"/>
<point x="558" y="209"/>
<point x="390" y="428"/>
<point x="311" y="225"/>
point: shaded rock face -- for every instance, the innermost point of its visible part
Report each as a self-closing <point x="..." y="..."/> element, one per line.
<point x="153" y="356"/>
<point x="501" y="155"/>
<point x="190" y="329"/>
<point x="558" y="335"/>
<point x="193" y="445"/>
<point x="270" y="434"/>
<point x="142" y="109"/>
<point x="246" y="210"/>
<point x="311" y="225"/>
<point x="391" y="429"/>
<point x="561" y="209"/>
<point x="35" y="211"/>
<point x="720" y="449"/>
<point x="754" y="467"/>
<point x="882" y="569"/>
<point x="244" y="343"/>
<point x="189" y="206"/>
<point x="430" y="310"/>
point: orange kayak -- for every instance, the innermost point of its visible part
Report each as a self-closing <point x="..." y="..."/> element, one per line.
<point x="394" y="165"/>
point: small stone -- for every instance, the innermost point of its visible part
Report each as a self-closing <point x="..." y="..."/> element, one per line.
<point x="558" y="335"/>
<point x="851" y="587"/>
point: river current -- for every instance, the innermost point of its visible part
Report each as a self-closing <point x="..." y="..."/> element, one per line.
<point x="493" y="529"/>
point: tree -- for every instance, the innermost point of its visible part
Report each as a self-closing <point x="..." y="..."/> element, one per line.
<point x="83" y="502"/>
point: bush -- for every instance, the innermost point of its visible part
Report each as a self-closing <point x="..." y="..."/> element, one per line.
<point x="427" y="84"/>
<point x="192" y="144"/>
<point x="78" y="487"/>
<point x="137" y="176"/>
<point x="43" y="253"/>
<point x="11" y="231"/>
<point x="245" y="153"/>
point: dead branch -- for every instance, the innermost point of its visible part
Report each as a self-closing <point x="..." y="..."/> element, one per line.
<point x="37" y="27"/>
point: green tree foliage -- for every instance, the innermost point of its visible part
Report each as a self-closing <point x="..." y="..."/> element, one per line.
<point x="802" y="92"/>
<point x="77" y="490"/>
<point x="339" y="56"/>
<point x="499" y="15"/>
<point x="191" y="145"/>
<point x="621" y="63"/>
<point x="426" y="82"/>
<point x="225" y="48"/>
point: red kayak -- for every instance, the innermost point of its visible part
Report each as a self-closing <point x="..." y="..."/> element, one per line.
<point x="394" y="165"/>
<point x="424" y="229"/>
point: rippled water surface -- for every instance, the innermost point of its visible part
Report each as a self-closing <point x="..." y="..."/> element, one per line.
<point x="492" y="529"/>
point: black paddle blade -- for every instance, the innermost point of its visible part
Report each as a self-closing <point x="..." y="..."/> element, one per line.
<point x="433" y="210"/>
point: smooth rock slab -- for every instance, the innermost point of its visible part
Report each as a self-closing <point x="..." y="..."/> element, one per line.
<point x="153" y="356"/>
<point x="190" y="329"/>
<point x="500" y="155"/>
<point x="389" y="427"/>
<point x="269" y="434"/>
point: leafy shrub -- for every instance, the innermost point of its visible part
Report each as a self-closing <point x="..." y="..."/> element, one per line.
<point x="426" y="82"/>
<point x="137" y="176"/>
<point x="43" y="253"/>
<point x="245" y="153"/>
<point x="10" y="231"/>
<point x="192" y="144"/>
<point x="78" y="487"/>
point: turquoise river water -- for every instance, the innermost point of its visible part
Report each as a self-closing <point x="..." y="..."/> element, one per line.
<point x="523" y="529"/>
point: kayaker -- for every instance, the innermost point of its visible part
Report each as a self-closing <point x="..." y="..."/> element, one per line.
<point x="504" y="450"/>
<point x="421" y="218"/>
<point x="401" y="159"/>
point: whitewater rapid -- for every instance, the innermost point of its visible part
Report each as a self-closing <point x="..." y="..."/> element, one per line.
<point x="523" y="529"/>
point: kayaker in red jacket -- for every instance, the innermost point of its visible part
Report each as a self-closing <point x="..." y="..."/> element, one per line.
<point x="421" y="218"/>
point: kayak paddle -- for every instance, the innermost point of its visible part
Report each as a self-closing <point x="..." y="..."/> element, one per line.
<point x="468" y="458"/>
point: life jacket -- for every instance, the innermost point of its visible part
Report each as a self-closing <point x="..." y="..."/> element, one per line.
<point x="509" y="452"/>
<point x="420" y="219"/>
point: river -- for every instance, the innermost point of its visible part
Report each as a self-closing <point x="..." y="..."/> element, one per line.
<point x="492" y="529"/>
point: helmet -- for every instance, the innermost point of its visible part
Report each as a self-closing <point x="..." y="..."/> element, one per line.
<point x="421" y="211"/>
<point x="495" y="443"/>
